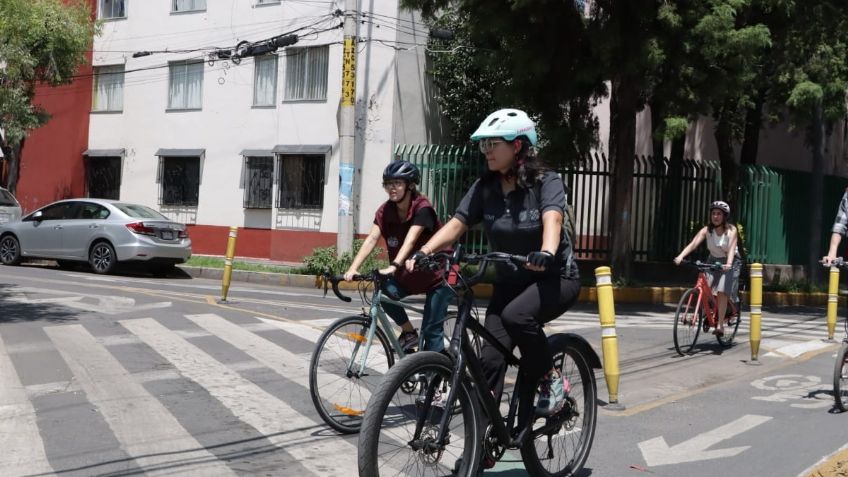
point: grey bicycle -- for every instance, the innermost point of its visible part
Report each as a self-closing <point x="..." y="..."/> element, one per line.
<point x="354" y="353"/>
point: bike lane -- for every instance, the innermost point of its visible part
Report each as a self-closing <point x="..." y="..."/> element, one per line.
<point x="779" y="421"/>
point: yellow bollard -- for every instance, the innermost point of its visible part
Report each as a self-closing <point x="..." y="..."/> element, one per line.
<point x="832" y="301"/>
<point x="228" y="263"/>
<point x="756" y="310"/>
<point x="609" y="340"/>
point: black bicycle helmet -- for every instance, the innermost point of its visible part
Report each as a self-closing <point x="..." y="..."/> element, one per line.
<point x="401" y="170"/>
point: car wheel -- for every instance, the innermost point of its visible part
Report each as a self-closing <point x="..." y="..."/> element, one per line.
<point x="10" y="250"/>
<point x="102" y="258"/>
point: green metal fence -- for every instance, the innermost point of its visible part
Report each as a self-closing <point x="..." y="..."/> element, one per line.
<point x="667" y="208"/>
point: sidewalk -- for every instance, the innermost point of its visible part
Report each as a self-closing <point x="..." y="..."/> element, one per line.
<point x="648" y="295"/>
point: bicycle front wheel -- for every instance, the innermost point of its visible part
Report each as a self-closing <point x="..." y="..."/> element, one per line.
<point x="389" y="443"/>
<point x="687" y="323"/>
<point x="840" y="379"/>
<point x="561" y="443"/>
<point x="339" y="383"/>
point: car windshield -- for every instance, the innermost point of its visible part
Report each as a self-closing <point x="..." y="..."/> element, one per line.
<point x="139" y="211"/>
<point x="6" y="199"/>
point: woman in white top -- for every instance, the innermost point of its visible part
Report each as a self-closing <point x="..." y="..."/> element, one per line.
<point x="721" y="242"/>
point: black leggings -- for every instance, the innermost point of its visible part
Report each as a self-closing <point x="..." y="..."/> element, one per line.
<point x="515" y="317"/>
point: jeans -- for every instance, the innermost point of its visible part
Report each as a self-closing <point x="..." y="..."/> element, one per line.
<point x="435" y="309"/>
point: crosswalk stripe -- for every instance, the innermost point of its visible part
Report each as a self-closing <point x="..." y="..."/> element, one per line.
<point x="22" y="448"/>
<point x="278" y="421"/>
<point x="285" y="363"/>
<point x="147" y="431"/>
<point x="306" y="332"/>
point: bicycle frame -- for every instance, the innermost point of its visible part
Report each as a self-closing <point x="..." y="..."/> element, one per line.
<point x="465" y="358"/>
<point x="708" y="301"/>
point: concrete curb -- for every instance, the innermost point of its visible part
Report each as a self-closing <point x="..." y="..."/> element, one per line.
<point x="642" y="296"/>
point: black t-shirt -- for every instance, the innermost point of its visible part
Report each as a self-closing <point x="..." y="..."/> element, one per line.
<point x="513" y="224"/>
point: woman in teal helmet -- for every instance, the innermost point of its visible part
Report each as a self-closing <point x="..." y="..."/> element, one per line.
<point x="521" y="204"/>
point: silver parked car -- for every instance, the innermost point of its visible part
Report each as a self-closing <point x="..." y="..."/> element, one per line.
<point x="100" y="232"/>
<point x="10" y="209"/>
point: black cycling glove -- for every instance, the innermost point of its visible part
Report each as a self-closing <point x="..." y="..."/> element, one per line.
<point x="540" y="259"/>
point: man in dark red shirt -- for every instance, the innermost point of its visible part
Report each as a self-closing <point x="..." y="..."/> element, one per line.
<point x="406" y="221"/>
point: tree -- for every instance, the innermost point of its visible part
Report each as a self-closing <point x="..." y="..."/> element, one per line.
<point x="812" y="84"/>
<point x="41" y="42"/>
<point x="525" y="54"/>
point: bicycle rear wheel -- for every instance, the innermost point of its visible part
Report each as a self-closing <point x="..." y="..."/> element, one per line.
<point x="731" y="327"/>
<point x="338" y="384"/>
<point x="840" y="378"/>
<point x="388" y="444"/>
<point x="687" y="323"/>
<point x="561" y="443"/>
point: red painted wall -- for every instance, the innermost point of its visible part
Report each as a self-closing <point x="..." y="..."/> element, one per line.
<point x="52" y="165"/>
<point x="279" y="245"/>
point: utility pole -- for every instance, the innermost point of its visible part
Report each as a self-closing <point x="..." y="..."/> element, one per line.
<point x="347" y="174"/>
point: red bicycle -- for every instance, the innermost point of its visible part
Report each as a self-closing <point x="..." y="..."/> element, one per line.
<point x="697" y="310"/>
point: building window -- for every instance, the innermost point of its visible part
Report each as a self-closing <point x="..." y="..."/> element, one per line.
<point x="108" y="88"/>
<point x="301" y="182"/>
<point x="112" y="8"/>
<point x="178" y="6"/>
<point x="258" y="181"/>
<point x="265" y="81"/>
<point x="185" y="90"/>
<point x="306" y="73"/>
<point x="103" y="177"/>
<point x="180" y="180"/>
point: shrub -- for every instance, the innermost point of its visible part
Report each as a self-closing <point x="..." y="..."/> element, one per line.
<point x="325" y="258"/>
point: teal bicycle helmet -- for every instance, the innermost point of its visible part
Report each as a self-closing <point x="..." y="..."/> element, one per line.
<point x="509" y="124"/>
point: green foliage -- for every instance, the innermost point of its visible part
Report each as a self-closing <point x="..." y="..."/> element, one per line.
<point x="516" y="54"/>
<point x="794" y="286"/>
<point x="41" y="42"/>
<point x="325" y="258"/>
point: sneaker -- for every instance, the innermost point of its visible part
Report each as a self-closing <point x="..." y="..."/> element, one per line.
<point x="552" y="391"/>
<point x="438" y="400"/>
<point x="408" y="340"/>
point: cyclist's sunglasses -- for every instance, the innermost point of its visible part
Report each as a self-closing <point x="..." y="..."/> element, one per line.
<point x="488" y="144"/>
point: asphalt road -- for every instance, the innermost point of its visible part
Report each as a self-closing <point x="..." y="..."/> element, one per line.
<point x="135" y="375"/>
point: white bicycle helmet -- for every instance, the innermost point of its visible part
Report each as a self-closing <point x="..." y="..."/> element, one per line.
<point x="720" y="205"/>
<point x="508" y="124"/>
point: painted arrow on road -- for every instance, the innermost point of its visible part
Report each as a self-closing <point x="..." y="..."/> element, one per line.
<point x="657" y="452"/>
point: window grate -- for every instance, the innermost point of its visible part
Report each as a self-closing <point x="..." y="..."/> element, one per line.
<point x="258" y="178"/>
<point x="301" y="182"/>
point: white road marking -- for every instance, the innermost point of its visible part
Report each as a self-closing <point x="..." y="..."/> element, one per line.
<point x="277" y="420"/>
<point x="657" y="452"/>
<point x="147" y="431"/>
<point x="23" y="450"/>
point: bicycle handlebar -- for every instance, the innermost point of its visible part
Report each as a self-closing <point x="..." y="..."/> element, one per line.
<point x="837" y="262"/>
<point x="703" y="265"/>
<point x="373" y="276"/>
<point x="433" y="261"/>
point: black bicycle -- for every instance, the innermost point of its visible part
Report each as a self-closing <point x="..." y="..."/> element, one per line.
<point x="453" y="424"/>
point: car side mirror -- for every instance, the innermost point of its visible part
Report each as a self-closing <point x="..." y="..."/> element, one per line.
<point x="38" y="216"/>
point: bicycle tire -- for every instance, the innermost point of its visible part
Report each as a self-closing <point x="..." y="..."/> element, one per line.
<point x="840" y="379"/>
<point x="731" y="327"/>
<point x="331" y="356"/>
<point x="391" y="416"/>
<point x="685" y="322"/>
<point x="583" y="398"/>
